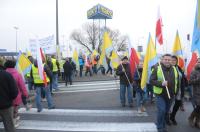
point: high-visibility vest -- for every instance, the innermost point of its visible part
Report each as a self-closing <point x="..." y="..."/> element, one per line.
<point x="158" y="90"/>
<point x="36" y="76"/>
<point x="55" y="67"/>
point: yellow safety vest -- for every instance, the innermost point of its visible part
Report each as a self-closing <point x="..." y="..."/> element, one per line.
<point x="36" y="76"/>
<point x="55" y="67"/>
<point x="158" y="90"/>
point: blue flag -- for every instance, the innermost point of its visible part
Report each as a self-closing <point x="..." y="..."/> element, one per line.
<point x="196" y="31"/>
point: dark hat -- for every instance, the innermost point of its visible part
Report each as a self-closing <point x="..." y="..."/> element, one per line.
<point x="125" y="58"/>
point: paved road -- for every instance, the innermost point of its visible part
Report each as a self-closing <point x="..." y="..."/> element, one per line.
<point x="94" y="106"/>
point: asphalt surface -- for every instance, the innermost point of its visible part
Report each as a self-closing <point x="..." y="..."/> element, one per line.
<point x="92" y="98"/>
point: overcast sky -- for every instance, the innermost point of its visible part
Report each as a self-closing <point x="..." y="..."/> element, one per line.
<point x="135" y="18"/>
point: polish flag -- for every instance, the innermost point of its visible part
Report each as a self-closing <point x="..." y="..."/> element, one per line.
<point x="159" y="35"/>
<point x="40" y="57"/>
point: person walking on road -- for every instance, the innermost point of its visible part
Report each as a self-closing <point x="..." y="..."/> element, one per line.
<point x="182" y="82"/>
<point x="22" y="91"/>
<point x="163" y="99"/>
<point x="194" y="118"/>
<point x="68" y="69"/>
<point x="140" y="94"/>
<point x="8" y="92"/>
<point x="40" y="85"/>
<point x="56" y="72"/>
<point x="123" y="70"/>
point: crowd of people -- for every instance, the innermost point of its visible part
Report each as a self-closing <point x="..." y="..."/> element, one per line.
<point x="167" y="84"/>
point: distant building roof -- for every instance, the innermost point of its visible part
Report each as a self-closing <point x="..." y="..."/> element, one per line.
<point x="99" y="12"/>
<point x="8" y="53"/>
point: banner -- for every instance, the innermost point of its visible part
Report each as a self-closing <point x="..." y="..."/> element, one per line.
<point x="47" y="44"/>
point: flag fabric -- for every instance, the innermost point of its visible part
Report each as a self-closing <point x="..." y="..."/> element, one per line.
<point x="40" y="65"/>
<point x="106" y="49"/>
<point x="114" y="60"/>
<point x="177" y="50"/>
<point x="191" y="63"/>
<point x="150" y="59"/>
<point x="75" y="59"/>
<point x="159" y="35"/>
<point x="196" y="30"/>
<point x="23" y="64"/>
<point x="133" y="58"/>
<point x="134" y="61"/>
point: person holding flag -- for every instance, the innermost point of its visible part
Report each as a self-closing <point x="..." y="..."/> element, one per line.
<point x="40" y="84"/>
<point x="123" y="70"/>
<point x="164" y="79"/>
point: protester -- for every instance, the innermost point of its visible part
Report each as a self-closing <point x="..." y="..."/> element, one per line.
<point x="68" y="69"/>
<point x="182" y="82"/>
<point x="194" y="118"/>
<point x="124" y="72"/>
<point x="56" y="72"/>
<point x="40" y="85"/>
<point x="163" y="101"/>
<point x="140" y="94"/>
<point x="8" y="93"/>
<point x="22" y="91"/>
<point x="81" y="64"/>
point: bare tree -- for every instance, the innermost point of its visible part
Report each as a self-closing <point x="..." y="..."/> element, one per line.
<point x="89" y="38"/>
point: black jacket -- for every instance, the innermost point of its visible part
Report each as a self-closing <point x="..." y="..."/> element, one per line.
<point x="8" y="89"/>
<point x="68" y="68"/>
<point x="169" y="77"/>
<point x="123" y="78"/>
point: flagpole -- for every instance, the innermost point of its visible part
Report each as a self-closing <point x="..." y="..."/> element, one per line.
<point x="164" y="80"/>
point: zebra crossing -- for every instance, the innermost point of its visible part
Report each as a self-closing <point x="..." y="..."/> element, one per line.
<point x="89" y="86"/>
<point x="87" y="120"/>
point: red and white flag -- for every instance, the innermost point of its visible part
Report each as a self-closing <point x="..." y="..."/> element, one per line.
<point x="159" y="35"/>
<point x="191" y="63"/>
<point x="40" y="57"/>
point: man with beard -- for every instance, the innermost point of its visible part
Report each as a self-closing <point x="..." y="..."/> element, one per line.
<point x="164" y="79"/>
<point x="123" y="70"/>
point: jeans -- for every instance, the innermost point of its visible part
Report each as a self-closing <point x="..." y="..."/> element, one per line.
<point x="7" y="118"/>
<point x="38" y="97"/>
<point x="140" y="97"/>
<point x="30" y="84"/>
<point x="123" y="88"/>
<point x="163" y="106"/>
<point x="81" y="70"/>
<point x="55" y="80"/>
<point x="68" y="78"/>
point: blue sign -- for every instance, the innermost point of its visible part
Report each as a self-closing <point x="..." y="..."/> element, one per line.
<point x="99" y="12"/>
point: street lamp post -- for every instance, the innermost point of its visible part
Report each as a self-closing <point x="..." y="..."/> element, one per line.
<point x="16" y="28"/>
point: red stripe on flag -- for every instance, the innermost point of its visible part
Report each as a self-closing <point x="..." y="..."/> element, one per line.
<point x="134" y="61"/>
<point x="191" y="64"/>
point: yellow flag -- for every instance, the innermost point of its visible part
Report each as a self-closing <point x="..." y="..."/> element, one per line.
<point x="114" y="59"/>
<point x="149" y="60"/>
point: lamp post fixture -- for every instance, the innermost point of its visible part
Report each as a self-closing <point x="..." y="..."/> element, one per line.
<point x="16" y="28"/>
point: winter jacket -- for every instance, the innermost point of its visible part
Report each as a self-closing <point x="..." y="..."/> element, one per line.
<point x="169" y="77"/>
<point x="8" y="89"/>
<point x="123" y="77"/>
<point x="68" y="68"/>
<point x="195" y="82"/>
<point x="20" y="86"/>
